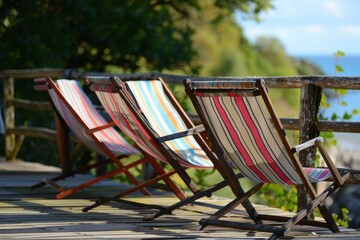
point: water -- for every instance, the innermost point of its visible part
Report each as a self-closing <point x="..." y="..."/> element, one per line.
<point x="350" y="64"/>
<point x="351" y="67"/>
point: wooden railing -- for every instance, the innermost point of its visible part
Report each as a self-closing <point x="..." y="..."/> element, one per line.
<point x="13" y="144"/>
<point x="308" y="124"/>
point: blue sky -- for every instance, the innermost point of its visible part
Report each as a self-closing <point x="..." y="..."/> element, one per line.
<point x="310" y="27"/>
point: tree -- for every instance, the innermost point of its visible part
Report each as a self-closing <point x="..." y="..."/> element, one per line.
<point x="90" y="35"/>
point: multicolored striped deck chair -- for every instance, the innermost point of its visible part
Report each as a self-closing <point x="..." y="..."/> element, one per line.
<point x="147" y="112"/>
<point x="73" y="106"/>
<point x="243" y="128"/>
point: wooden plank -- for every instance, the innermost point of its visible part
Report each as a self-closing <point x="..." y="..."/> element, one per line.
<point x="33" y="73"/>
<point x="30" y="104"/>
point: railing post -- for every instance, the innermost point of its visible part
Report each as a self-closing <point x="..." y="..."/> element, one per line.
<point x="9" y="117"/>
<point x="63" y="143"/>
<point x="308" y="119"/>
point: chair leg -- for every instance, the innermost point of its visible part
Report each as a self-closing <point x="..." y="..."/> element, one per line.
<point x="72" y="173"/>
<point x="64" y="193"/>
<point x="100" y="202"/>
<point x="277" y="231"/>
<point x="129" y="175"/>
<point x="159" y="170"/>
<point x="316" y="203"/>
<point x="249" y="207"/>
<point x="243" y="199"/>
<point x="188" y="200"/>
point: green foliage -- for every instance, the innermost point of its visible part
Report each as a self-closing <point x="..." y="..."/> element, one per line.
<point x="344" y="219"/>
<point x="87" y="35"/>
<point x="201" y="175"/>
<point x="304" y="67"/>
<point x="282" y="197"/>
<point x="249" y="8"/>
<point x="338" y="69"/>
<point x="338" y="55"/>
<point x="230" y="64"/>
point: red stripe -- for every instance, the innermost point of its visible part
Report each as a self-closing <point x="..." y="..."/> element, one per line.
<point x="82" y="104"/>
<point x="259" y="142"/>
<point x="112" y="115"/>
<point x="237" y="141"/>
<point x="136" y="130"/>
<point x="323" y="173"/>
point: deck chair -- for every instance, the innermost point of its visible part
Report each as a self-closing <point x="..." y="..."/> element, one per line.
<point x="147" y="112"/>
<point x="244" y="130"/>
<point x="73" y="106"/>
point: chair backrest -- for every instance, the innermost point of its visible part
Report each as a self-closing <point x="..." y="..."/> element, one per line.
<point x="245" y="129"/>
<point x="118" y="110"/>
<point x="159" y="117"/>
<point x="164" y="118"/>
<point x="80" y="115"/>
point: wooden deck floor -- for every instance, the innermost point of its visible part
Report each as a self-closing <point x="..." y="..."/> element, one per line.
<point x="26" y="214"/>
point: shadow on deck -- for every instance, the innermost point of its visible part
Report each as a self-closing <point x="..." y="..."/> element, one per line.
<point x="26" y="214"/>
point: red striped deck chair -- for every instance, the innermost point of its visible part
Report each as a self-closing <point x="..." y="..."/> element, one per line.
<point x="147" y="112"/>
<point x="73" y="106"/>
<point x="244" y="130"/>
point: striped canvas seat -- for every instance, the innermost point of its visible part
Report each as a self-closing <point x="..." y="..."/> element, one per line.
<point x="247" y="136"/>
<point x="82" y="105"/>
<point x="164" y="119"/>
<point x="244" y="130"/>
<point x="74" y="108"/>
<point x="124" y="118"/>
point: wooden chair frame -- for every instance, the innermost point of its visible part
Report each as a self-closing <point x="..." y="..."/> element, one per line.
<point x="48" y="83"/>
<point x="317" y="199"/>
<point x="171" y="157"/>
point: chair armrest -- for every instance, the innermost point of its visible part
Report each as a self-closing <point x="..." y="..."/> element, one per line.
<point x="338" y="178"/>
<point x="108" y="125"/>
<point x="307" y="144"/>
<point x="195" y="130"/>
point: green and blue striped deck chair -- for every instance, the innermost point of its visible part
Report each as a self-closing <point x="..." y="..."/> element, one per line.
<point x="147" y="112"/>
<point x="73" y="106"/>
<point x="244" y="130"/>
